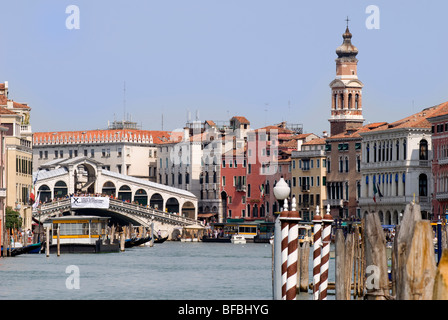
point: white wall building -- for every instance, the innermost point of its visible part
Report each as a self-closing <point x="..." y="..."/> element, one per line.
<point x="396" y="161"/>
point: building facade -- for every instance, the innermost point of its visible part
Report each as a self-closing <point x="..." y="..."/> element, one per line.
<point x="397" y="166"/>
<point x="439" y="139"/>
<point x="19" y="158"/>
<point x="128" y="151"/>
<point x="309" y="170"/>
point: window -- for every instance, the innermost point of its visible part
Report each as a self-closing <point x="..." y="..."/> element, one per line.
<point x="119" y="152"/>
<point x="223" y="181"/>
<point x="346" y="164"/>
<point x="423" y="185"/>
<point x="423" y="154"/>
<point x="92" y="153"/>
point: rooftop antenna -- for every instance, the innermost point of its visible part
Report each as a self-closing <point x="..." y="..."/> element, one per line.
<point x="162" y="121"/>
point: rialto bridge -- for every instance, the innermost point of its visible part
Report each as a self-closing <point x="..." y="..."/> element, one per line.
<point x="60" y="186"/>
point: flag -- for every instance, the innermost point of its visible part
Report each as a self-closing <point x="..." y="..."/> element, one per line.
<point x="36" y="203"/>
<point x="376" y="190"/>
<point x="379" y="192"/>
<point x="262" y="190"/>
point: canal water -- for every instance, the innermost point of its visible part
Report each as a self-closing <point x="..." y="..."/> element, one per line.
<point x="167" y="271"/>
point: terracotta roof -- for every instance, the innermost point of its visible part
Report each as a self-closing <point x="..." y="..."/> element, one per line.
<point x="314" y="142"/>
<point x="240" y="119"/>
<point x="4" y="110"/>
<point x="88" y="136"/>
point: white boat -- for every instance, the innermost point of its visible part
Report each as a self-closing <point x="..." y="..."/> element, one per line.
<point x="238" y="239"/>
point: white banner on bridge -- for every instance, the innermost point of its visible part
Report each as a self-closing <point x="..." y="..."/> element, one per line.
<point x="90" y="202"/>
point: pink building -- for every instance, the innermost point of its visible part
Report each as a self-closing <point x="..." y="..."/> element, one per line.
<point x="440" y="165"/>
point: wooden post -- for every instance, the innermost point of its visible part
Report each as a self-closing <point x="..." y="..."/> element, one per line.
<point x="122" y="238"/>
<point x="420" y="269"/>
<point x="151" y="233"/>
<point x="441" y="280"/>
<point x="377" y="278"/>
<point x="112" y="234"/>
<point x="47" y="242"/>
<point x="349" y="241"/>
<point x="304" y="266"/>
<point x="59" y="241"/>
<point x="356" y="263"/>
<point x="339" y="264"/>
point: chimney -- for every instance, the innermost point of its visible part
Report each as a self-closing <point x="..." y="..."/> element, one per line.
<point x="299" y="144"/>
<point x="325" y="134"/>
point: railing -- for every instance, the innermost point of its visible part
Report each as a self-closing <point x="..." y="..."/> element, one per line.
<point x="118" y="205"/>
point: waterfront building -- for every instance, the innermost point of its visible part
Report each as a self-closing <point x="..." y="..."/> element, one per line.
<point x="439" y="134"/>
<point x="343" y="147"/>
<point x="121" y="148"/>
<point x="18" y="148"/>
<point x="192" y="160"/>
<point x="309" y="170"/>
<point x="396" y="166"/>
<point x="248" y="179"/>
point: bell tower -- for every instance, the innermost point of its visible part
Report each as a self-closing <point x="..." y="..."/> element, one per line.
<point x="346" y="89"/>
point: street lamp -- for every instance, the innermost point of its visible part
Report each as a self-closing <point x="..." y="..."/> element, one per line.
<point x="281" y="190"/>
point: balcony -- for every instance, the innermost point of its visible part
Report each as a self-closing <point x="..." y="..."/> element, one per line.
<point x="241" y="187"/>
<point x="334" y="202"/>
<point x="305" y="188"/>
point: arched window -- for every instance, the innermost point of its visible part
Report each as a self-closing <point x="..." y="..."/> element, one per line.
<point x="341" y="165"/>
<point x="335" y="101"/>
<point x="349" y="100"/>
<point x="423" y="154"/>
<point x="346" y="164"/>
<point x="356" y="101"/>
<point x="342" y="101"/>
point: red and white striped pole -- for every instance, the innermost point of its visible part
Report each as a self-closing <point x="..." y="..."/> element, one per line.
<point x="293" y="256"/>
<point x="284" y="246"/>
<point x="317" y="220"/>
<point x="326" y="239"/>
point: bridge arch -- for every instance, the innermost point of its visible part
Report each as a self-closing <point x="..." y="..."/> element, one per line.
<point x="188" y="210"/>
<point x="109" y="188"/>
<point x="141" y="197"/>
<point x="85" y="177"/>
<point x="60" y="189"/>
<point x="172" y="205"/>
<point x="125" y="193"/>
<point x="45" y="194"/>
<point x="156" y="201"/>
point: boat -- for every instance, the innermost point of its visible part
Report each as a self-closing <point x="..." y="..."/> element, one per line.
<point x="80" y="234"/>
<point x="238" y="239"/>
<point x="134" y="242"/>
<point x="158" y="239"/>
<point x="216" y="239"/>
<point x="32" y="248"/>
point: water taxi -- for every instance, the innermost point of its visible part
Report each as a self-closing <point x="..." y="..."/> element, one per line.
<point x="238" y="239"/>
<point x="80" y="234"/>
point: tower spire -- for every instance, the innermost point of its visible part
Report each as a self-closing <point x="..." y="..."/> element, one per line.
<point x="346" y="89"/>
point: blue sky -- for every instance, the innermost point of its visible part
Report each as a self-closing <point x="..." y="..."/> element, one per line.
<point x="266" y="60"/>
